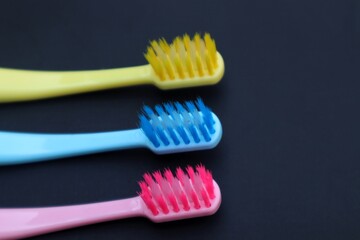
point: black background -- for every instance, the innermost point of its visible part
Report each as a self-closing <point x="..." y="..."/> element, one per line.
<point x="288" y="164"/>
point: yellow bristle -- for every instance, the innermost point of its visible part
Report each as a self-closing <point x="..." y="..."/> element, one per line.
<point x="174" y="57"/>
<point x="169" y="68"/>
<point x="192" y="53"/>
<point x="197" y="40"/>
<point x="154" y="45"/>
<point x="177" y="42"/>
<point x="179" y="67"/>
<point x="181" y="52"/>
<point x="189" y="66"/>
<point x="158" y="50"/>
<point x="213" y="52"/>
<point x="160" y="70"/>
<point x="187" y="41"/>
<point x="149" y="54"/>
<point x="211" y="47"/>
<point x="208" y="63"/>
<point x="164" y="45"/>
<point x="202" y="50"/>
<point x="152" y="59"/>
<point x="155" y="63"/>
<point x="199" y="65"/>
<point x="162" y="73"/>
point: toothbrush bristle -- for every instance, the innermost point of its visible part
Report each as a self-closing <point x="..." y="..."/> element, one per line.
<point x="178" y="123"/>
<point x="146" y="196"/>
<point x="184" y="57"/>
<point x="164" y="193"/>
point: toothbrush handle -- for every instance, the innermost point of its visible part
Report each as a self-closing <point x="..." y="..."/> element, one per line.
<point x="28" y="222"/>
<point x="21" y="85"/>
<point x="16" y="148"/>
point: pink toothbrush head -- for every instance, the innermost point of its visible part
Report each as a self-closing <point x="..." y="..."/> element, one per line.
<point x="170" y="197"/>
<point x="163" y="197"/>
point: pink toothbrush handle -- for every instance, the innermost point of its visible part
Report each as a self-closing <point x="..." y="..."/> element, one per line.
<point x="27" y="222"/>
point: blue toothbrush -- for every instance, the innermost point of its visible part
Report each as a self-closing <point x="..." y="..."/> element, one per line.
<point x="169" y="128"/>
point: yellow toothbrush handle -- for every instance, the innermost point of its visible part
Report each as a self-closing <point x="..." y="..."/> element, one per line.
<point x="20" y="85"/>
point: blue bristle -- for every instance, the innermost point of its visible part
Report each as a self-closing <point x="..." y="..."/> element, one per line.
<point x="173" y="136"/>
<point x="179" y="127"/>
<point x="207" y="116"/>
<point x="198" y="120"/>
<point x="191" y="106"/>
<point x="188" y="121"/>
<point x="169" y="108"/>
<point x="179" y="107"/>
<point x="157" y="125"/>
<point x="148" y="130"/>
<point x="168" y="122"/>
<point x="204" y="132"/>
<point x="162" y="136"/>
<point x="148" y="111"/>
<point x="183" y="134"/>
<point x="193" y="132"/>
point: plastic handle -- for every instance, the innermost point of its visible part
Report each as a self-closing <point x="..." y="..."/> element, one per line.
<point x="16" y="148"/>
<point x="27" y="222"/>
<point x="20" y="85"/>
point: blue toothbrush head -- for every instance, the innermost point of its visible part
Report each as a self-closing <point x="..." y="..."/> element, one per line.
<point x="175" y="127"/>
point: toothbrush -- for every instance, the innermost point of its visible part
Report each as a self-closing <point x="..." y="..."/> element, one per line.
<point x="184" y="63"/>
<point x="163" y="197"/>
<point x="169" y="128"/>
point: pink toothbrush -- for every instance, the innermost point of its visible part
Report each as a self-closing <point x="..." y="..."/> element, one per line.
<point x="163" y="197"/>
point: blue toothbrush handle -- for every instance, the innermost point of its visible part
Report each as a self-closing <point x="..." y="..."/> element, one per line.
<point x="17" y="148"/>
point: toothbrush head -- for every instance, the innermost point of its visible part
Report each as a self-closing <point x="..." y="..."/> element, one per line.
<point x="185" y="62"/>
<point x="175" y="127"/>
<point x="185" y="195"/>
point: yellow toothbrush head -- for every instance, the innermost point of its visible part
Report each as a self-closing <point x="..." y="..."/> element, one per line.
<point x="185" y="62"/>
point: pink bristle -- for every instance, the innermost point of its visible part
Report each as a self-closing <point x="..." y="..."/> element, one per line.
<point x="174" y="203"/>
<point x="196" y="191"/>
<point x="190" y="171"/>
<point x="148" y="179"/>
<point x="207" y="179"/>
<point x="156" y="192"/>
<point x="157" y="176"/>
<point x="155" y="189"/>
<point x="195" y="199"/>
<point x="176" y="187"/>
<point x="205" y="198"/>
<point x="172" y="181"/>
<point x="149" y="203"/>
<point x="189" y="189"/>
<point x="144" y="188"/>
<point x="180" y="175"/>
<point x="197" y="184"/>
<point x="184" y="179"/>
<point x="166" y="189"/>
<point x="146" y="196"/>
<point x="181" y="196"/>
<point x="202" y="171"/>
<point x="162" y="204"/>
<point x="184" y="201"/>
<point x="178" y="192"/>
<point x="169" y="176"/>
<point x="210" y="184"/>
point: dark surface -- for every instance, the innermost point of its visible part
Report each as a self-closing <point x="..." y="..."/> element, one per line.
<point x="289" y="162"/>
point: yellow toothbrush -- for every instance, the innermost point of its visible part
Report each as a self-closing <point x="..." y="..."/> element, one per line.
<point x="184" y="63"/>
